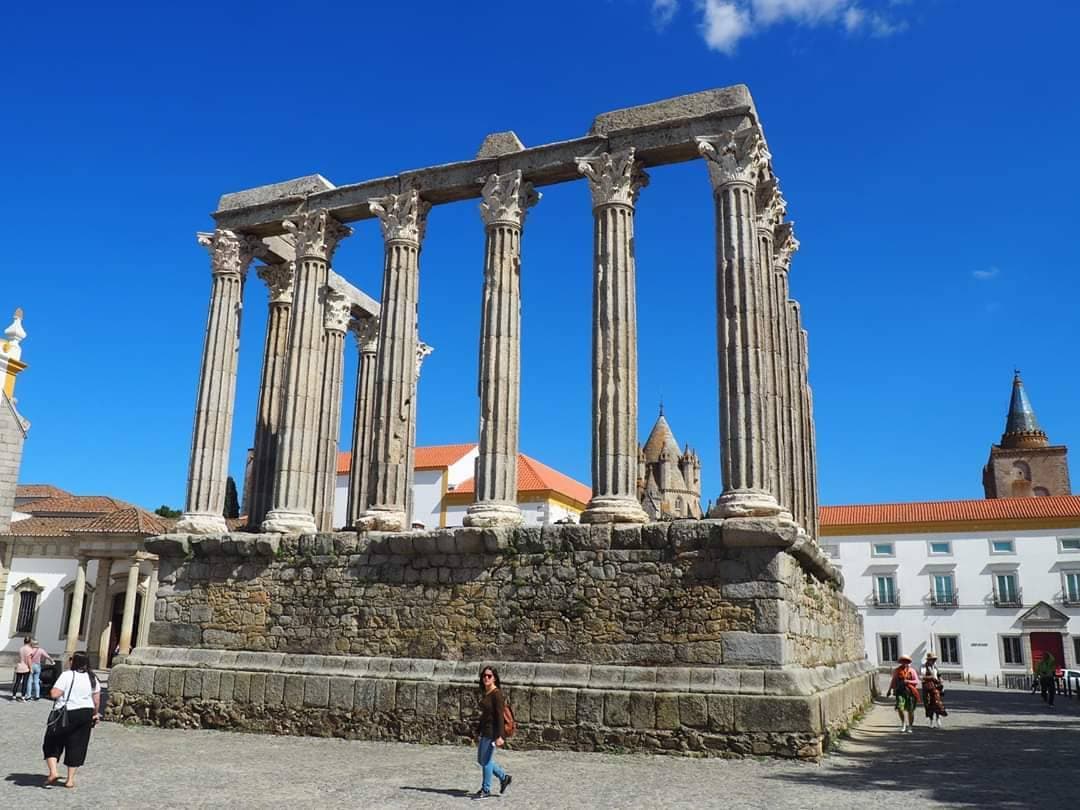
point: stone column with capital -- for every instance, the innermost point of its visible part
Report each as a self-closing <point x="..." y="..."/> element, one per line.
<point x="78" y="594"/>
<point x="735" y="160"/>
<point x="809" y="440"/>
<point x="506" y="199"/>
<point x="146" y="616"/>
<point x="231" y="253"/>
<point x="335" y="322"/>
<point x="279" y="283"/>
<point x="784" y="246"/>
<point x="97" y="641"/>
<point x="403" y="217"/>
<point x="422" y="351"/>
<point x="615" y="180"/>
<point x="317" y="235"/>
<point x="797" y="392"/>
<point x="127" y="623"/>
<point x="366" y="332"/>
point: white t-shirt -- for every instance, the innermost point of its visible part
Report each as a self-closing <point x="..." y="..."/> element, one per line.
<point x="80" y="694"/>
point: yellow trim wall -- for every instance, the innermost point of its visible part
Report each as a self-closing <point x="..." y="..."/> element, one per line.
<point x="949" y="526"/>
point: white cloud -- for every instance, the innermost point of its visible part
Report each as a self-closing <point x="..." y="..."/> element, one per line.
<point x="662" y="12"/>
<point x="987" y="274"/>
<point x="725" y="22"/>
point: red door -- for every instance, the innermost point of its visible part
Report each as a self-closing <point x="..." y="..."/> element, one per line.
<point x="1047" y="642"/>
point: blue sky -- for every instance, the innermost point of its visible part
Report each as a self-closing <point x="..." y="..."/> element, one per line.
<point x="927" y="151"/>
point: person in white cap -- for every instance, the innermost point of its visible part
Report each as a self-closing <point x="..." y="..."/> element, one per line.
<point x="905" y="685"/>
<point x="932" y="689"/>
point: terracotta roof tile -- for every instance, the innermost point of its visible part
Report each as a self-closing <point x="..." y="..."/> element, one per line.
<point x="127" y="521"/>
<point x="536" y="477"/>
<point x="74" y="505"/>
<point x="45" y="526"/>
<point x="982" y="510"/>
<point x="427" y="458"/>
<point x="35" y="491"/>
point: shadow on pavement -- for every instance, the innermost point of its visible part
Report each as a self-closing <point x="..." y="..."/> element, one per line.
<point x="456" y="793"/>
<point x="26" y="779"/>
<point x="980" y="761"/>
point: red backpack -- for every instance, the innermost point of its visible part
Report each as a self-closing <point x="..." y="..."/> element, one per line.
<point x="509" y="724"/>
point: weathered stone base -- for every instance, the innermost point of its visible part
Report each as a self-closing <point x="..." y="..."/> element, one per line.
<point x="706" y="711"/>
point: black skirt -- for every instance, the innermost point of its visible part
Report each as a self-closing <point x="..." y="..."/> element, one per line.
<point x="72" y="741"/>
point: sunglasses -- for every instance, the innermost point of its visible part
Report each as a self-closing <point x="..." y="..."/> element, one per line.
<point x="487" y="675"/>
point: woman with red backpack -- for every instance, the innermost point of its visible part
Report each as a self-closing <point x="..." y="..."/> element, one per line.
<point x="491" y="732"/>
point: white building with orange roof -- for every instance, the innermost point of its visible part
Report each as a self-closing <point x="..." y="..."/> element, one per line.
<point x="443" y="488"/>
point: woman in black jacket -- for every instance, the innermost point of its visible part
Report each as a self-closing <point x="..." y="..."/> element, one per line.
<point x="490" y="732"/>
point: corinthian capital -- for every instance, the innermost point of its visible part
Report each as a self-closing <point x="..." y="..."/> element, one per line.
<point x="614" y="178"/>
<point x="422" y="351"/>
<point x="506" y="199"/>
<point x="734" y="156"/>
<point x="230" y="252"/>
<point x="366" y="332"/>
<point x="771" y="205"/>
<point x="279" y="281"/>
<point x="403" y="216"/>
<point x="335" y="310"/>
<point x="317" y="234"/>
<point x="785" y="245"/>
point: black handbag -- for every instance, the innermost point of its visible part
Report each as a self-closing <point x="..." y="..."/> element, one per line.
<point x="58" y="718"/>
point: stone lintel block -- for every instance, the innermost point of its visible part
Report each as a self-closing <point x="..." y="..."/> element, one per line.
<point x="289" y="189"/>
<point x="364" y="696"/>
<point x="469" y="672"/>
<point x="606" y="677"/>
<point x="590" y="707"/>
<point x="400" y="667"/>
<point x="617" y="709"/>
<point x="553" y="162"/>
<point x="275" y="689"/>
<point x="257" y="688"/>
<point x="427" y="699"/>
<point x="294" y="691"/>
<point x="316" y="690"/>
<point x="422" y="668"/>
<point x="723" y="101"/>
<point x="667" y="711"/>
<point x="673" y="679"/>
<point x="757" y="532"/>
<point x="514" y="672"/>
<point x="702" y="679"/>
<point x="639" y="677"/>
<point x="790" y="682"/>
<point x="241" y="687"/>
<point x="751" y="682"/>
<point x="176" y="682"/>
<point x="211" y="685"/>
<point x="378" y="667"/>
<point x="439" y="183"/>
<point x="499" y="143"/>
<point x="162" y="678"/>
<point x="169" y="545"/>
<point x="643" y="710"/>
<point x="753" y="649"/>
<point x="144" y="681"/>
<point x="564" y="705"/>
<point x="227" y="658"/>
<point x="755" y="589"/>
<point x="257" y="661"/>
<point x="790" y="715"/>
<point x="193" y="686"/>
<point x="568" y="675"/>
<point x="444" y="671"/>
<point x="693" y="710"/>
<point x="124" y="678"/>
<point x="385" y="695"/>
<point x="721" y="712"/>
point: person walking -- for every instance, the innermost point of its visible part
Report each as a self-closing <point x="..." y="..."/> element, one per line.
<point x="37" y="657"/>
<point x="490" y="732"/>
<point x="78" y="690"/>
<point x="905" y="685"/>
<point x="1046" y="671"/>
<point x="20" y="689"/>
<point x="932" y="690"/>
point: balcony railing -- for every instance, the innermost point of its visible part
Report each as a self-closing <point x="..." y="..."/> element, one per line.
<point x="887" y="600"/>
<point x="1013" y="599"/>
<point x="944" y="600"/>
<point x="1070" y="599"/>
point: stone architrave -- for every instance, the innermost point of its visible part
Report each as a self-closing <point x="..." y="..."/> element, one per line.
<point x="317" y="235"/>
<point x="784" y="246"/>
<point x="366" y="332"/>
<point x="403" y="218"/>
<point x="422" y="351"/>
<point x="735" y="160"/>
<point x="335" y="323"/>
<point x="78" y="595"/>
<point x="615" y="179"/>
<point x="231" y="254"/>
<point x="279" y="283"/>
<point x="506" y="199"/>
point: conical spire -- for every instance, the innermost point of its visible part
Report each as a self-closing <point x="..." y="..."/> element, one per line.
<point x="1021" y="427"/>
<point x="660" y="439"/>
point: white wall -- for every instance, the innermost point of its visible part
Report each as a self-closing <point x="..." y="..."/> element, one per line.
<point x="53" y="575"/>
<point x="341" y="501"/>
<point x="1038" y="563"/>
<point x="427" y="497"/>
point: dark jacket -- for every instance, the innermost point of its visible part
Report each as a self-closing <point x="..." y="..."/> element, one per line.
<point x="491" y="715"/>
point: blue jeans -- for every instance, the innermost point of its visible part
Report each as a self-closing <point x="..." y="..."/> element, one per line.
<point x="35" y="682"/>
<point x="485" y="758"/>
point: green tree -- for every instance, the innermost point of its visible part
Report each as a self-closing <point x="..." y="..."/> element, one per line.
<point x="232" y="500"/>
<point x="166" y="512"/>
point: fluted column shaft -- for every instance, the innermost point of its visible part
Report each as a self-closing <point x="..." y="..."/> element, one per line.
<point x="809" y="440"/>
<point x="798" y="416"/>
<point x="734" y="161"/>
<point x="335" y="323"/>
<point x="422" y="351"/>
<point x="317" y="235"/>
<point x="208" y="470"/>
<point x="403" y="217"/>
<point x="615" y="179"/>
<point x="78" y="595"/>
<point x="366" y="331"/>
<point x="279" y="281"/>
<point x="506" y="199"/>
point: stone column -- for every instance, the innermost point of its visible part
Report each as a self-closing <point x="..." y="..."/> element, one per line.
<point x="784" y="246"/>
<point x="506" y="199"/>
<point x="614" y="180"/>
<point x="403" y="218"/>
<point x="78" y="594"/>
<point x="366" y="331"/>
<point x="230" y="254"/>
<point x="127" y="623"/>
<point x="813" y="515"/>
<point x="734" y="161"/>
<point x="279" y="282"/>
<point x="317" y="236"/>
<point x="146" y="617"/>
<point x="798" y="419"/>
<point x="97" y="643"/>
<point x="335" y="322"/>
<point x="422" y="351"/>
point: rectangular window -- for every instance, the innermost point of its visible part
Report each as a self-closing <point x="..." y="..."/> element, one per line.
<point x="69" y="598"/>
<point x="890" y="649"/>
<point x="950" y="649"/>
<point x="883" y="550"/>
<point x="27" y="604"/>
<point x="885" y="590"/>
<point x="944" y="593"/>
<point x="1070" y="543"/>
<point x="1006" y="591"/>
<point x="1002" y="547"/>
<point x="1012" y="650"/>
<point x="1072" y="589"/>
<point x="939" y="548"/>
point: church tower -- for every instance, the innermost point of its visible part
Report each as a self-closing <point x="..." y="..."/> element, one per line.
<point x="12" y="425"/>
<point x="669" y="481"/>
<point x="1025" y="464"/>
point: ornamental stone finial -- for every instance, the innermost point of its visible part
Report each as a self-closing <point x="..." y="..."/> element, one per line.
<point x="506" y="199"/>
<point x="279" y="281"/>
<point x="785" y="245"/>
<point x="366" y="331"/>
<point x="403" y="216"/>
<point x="734" y="156"/>
<point x="230" y="253"/>
<point x="614" y="178"/>
<point x="317" y="234"/>
<point x="336" y="310"/>
<point x="422" y="351"/>
<point x="13" y="336"/>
